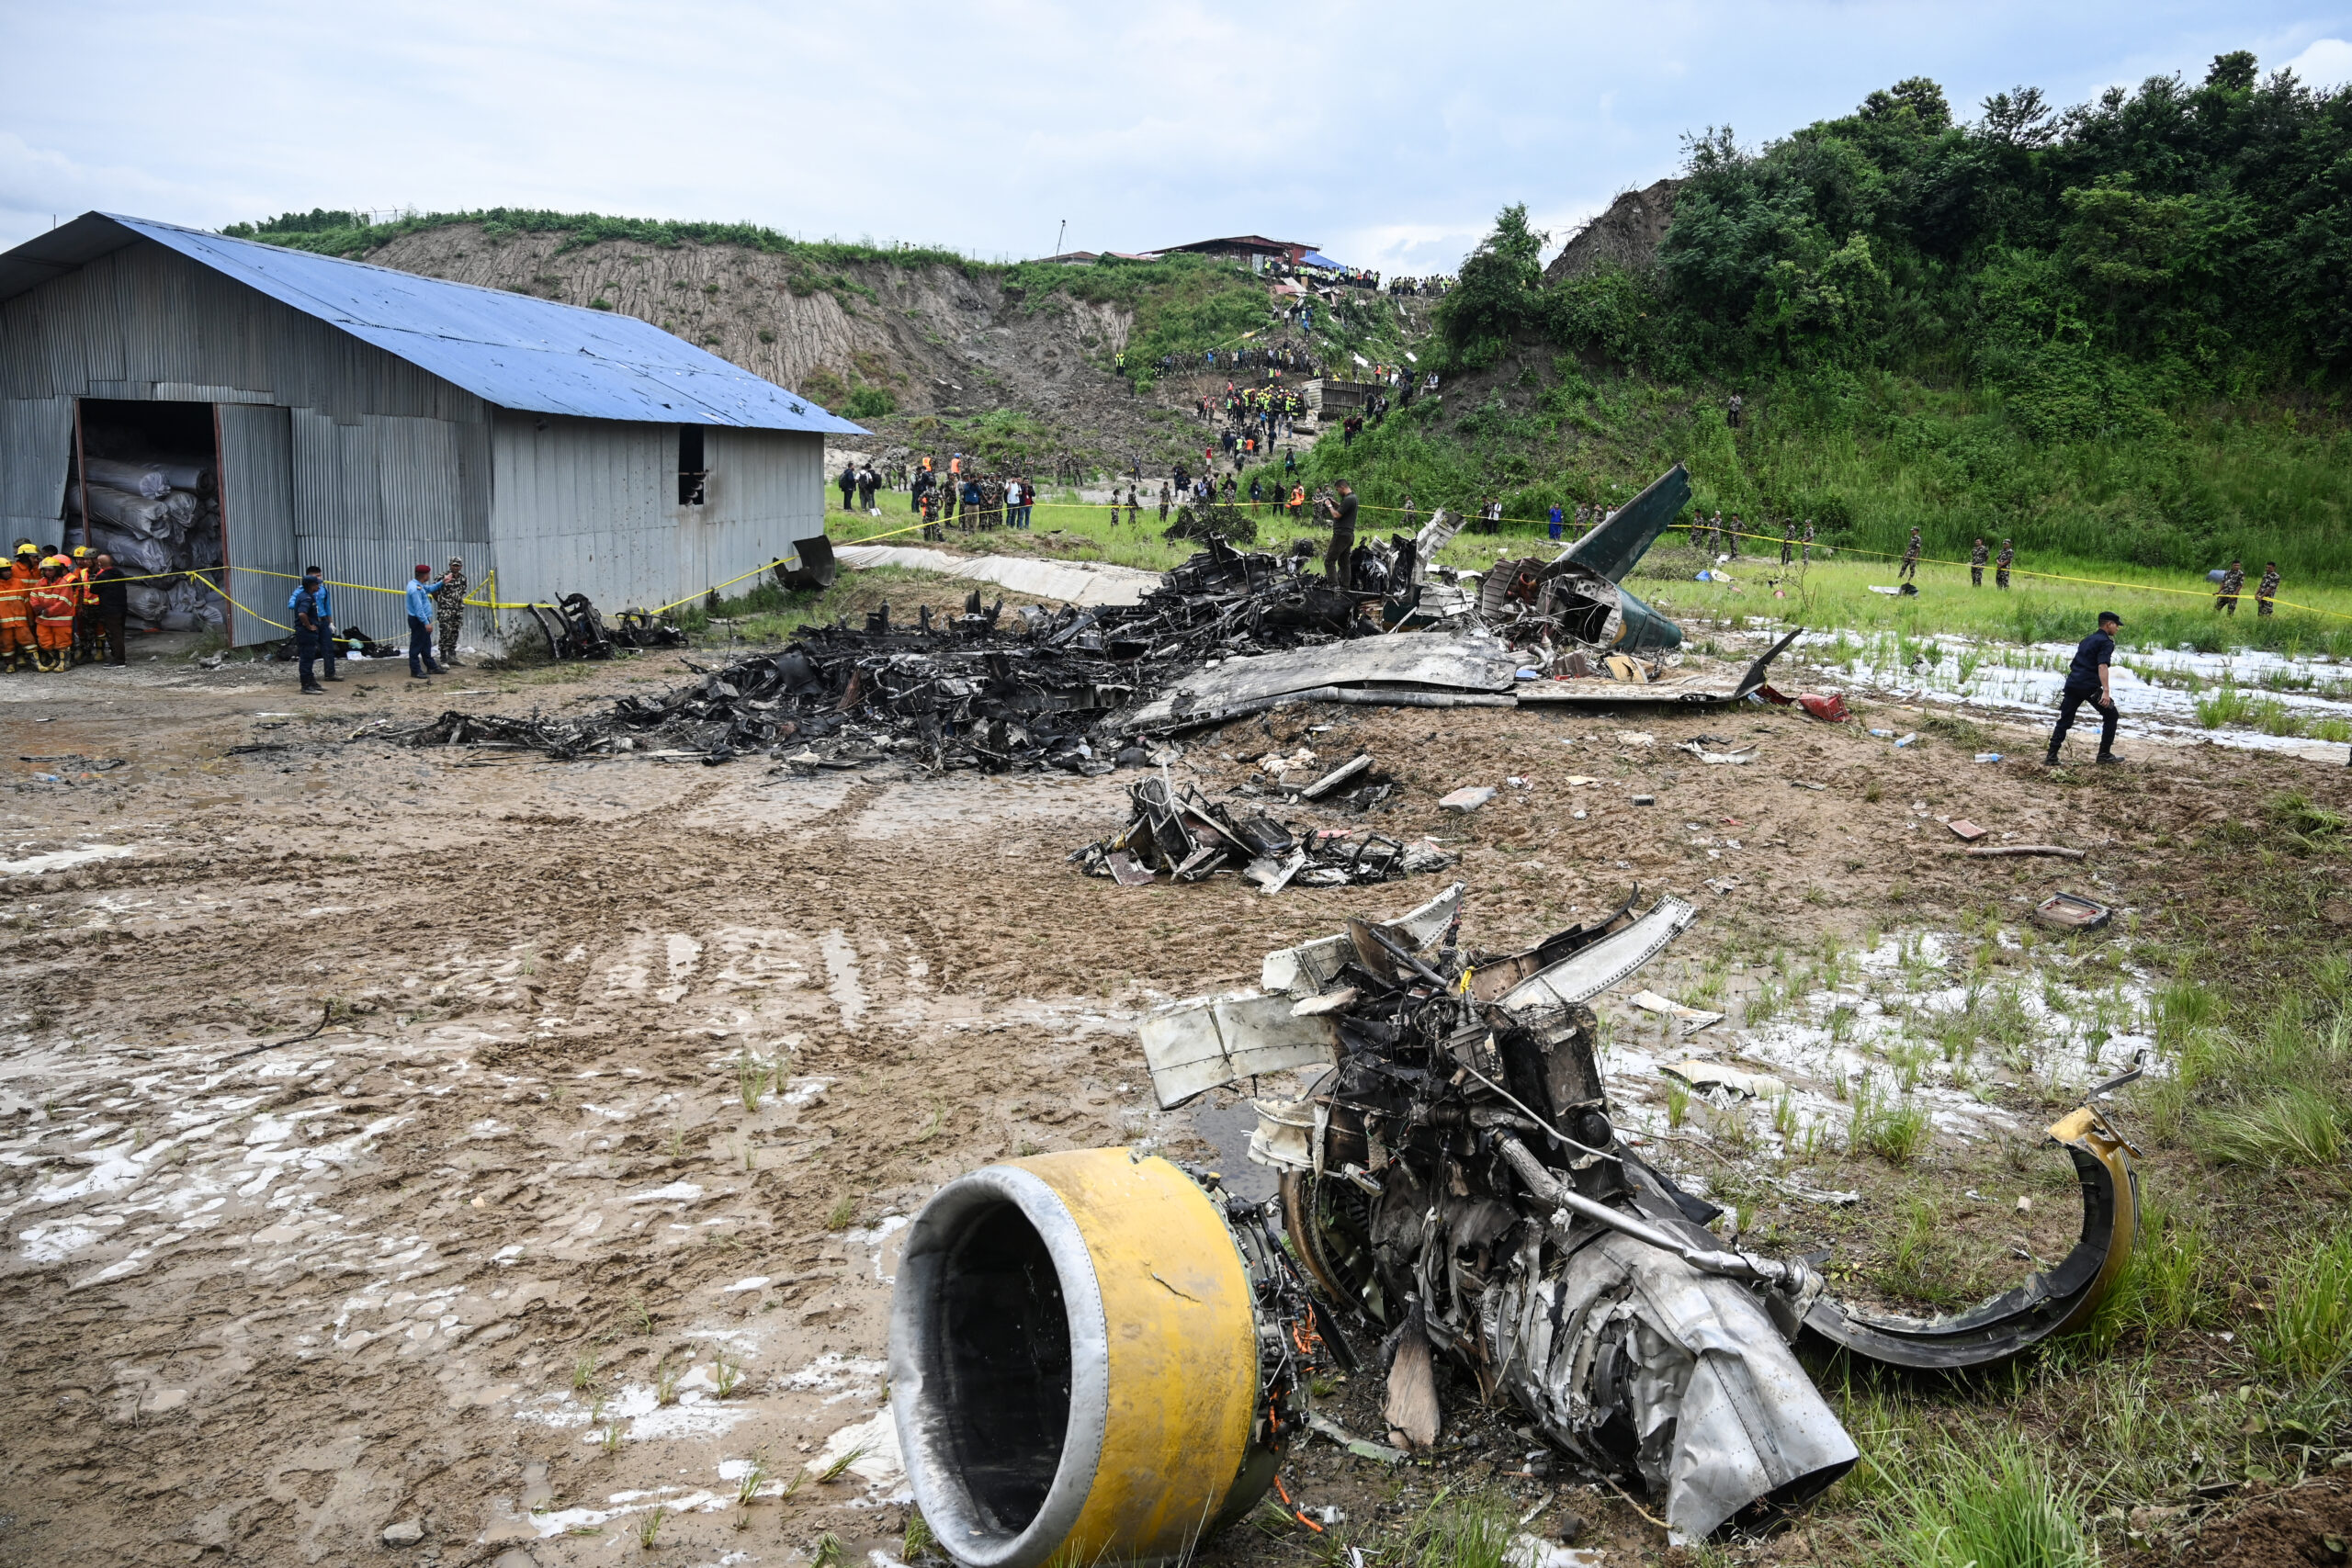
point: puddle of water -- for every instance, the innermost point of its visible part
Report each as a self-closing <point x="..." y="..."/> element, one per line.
<point x="841" y="983"/>
<point x="2157" y="691"/>
<point x="59" y="860"/>
<point x="1899" y="1029"/>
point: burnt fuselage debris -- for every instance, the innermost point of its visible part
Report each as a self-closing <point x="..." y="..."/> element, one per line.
<point x="991" y="689"/>
<point x="575" y="628"/>
<point x="1229" y="633"/>
<point x="1182" y="836"/>
<point x="1453" y="1181"/>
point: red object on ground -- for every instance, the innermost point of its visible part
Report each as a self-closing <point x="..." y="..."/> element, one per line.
<point x="1778" y="699"/>
<point x="1831" y="709"/>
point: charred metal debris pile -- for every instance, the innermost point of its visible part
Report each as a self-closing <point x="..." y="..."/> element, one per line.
<point x="1455" y="1186"/>
<point x="1035" y="688"/>
<point x="1183" y="835"/>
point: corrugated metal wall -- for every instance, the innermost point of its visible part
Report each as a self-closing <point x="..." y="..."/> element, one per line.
<point x="257" y="518"/>
<point x="32" y="487"/>
<point x="590" y="506"/>
<point x="375" y="498"/>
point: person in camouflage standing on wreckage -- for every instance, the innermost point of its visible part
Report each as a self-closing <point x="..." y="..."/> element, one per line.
<point x="449" y="611"/>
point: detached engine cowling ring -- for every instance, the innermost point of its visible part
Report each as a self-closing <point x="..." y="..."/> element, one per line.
<point x="2046" y="1304"/>
<point x="1076" y="1367"/>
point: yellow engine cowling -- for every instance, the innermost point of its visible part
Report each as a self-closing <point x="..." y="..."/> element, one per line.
<point x="1074" y="1364"/>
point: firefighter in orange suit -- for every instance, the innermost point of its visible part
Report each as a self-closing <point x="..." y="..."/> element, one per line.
<point x="16" y="582"/>
<point x="54" y="600"/>
<point x="78" y="562"/>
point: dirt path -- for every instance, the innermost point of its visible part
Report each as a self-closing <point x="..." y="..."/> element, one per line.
<point x="632" y="1072"/>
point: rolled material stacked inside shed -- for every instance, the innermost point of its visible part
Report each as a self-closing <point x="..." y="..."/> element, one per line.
<point x="158" y="517"/>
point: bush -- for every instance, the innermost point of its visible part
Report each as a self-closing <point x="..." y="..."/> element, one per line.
<point x="870" y="403"/>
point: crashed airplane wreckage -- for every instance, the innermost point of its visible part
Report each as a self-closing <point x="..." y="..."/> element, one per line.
<point x="1225" y="634"/>
<point x="1103" y="1354"/>
<point x="1190" y="838"/>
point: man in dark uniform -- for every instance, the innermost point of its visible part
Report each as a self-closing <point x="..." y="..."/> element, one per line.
<point x="2233" y="584"/>
<point x="2268" y="588"/>
<point x="1977" y="559"/>
<point x="2002" y="562"/>
<point x="1338" y="560"/>
<point x="310" y="631"/>
<point x="112" y="602"/>
<point x="2088" y="682"/>
<point x="1910" y="567"/>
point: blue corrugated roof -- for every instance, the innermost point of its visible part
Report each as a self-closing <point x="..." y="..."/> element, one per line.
<point x="1316" y="258"/>
<point x="509" y="349"/>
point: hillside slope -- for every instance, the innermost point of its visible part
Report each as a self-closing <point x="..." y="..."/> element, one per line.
<point x="929" y="350"/>
<point x="932" y="337"/>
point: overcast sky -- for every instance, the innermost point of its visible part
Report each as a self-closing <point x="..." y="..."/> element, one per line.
<point x="1389" y="135"/>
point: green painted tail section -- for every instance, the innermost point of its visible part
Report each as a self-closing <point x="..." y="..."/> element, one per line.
<point x="1613" y="549"/>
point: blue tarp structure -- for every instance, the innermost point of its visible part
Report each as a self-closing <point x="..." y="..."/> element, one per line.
<point x="1316" y="258"/>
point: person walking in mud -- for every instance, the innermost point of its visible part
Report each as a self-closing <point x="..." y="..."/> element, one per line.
<point x="2267" y="589"/>
<point x="1910" y="569"/>
<point x="2002" y="563"/>
<point x="2233" y="584"/>
<point x="2088" y="681"/>
<point x="1977" y="555"/>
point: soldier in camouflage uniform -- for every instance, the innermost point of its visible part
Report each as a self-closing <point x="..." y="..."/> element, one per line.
<point x="1977" y="559"/>
<point x="2269" y="590"/>
<point x="2002" y="562"/>
<point x="449" y="610"/>
<point x="1910" y="567"/>
<point x="2233" y="584"/>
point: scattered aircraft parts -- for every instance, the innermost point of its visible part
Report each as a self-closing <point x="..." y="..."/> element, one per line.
<point x="1452" y="1183"/>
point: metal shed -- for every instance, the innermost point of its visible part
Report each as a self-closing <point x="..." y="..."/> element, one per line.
<point x="369" y="418"/>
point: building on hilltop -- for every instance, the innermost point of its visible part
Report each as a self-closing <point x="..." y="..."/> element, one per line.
<point x="368" y="419"/>
<point x="1255" y="250"/>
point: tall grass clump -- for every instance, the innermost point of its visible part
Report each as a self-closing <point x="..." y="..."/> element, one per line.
<point x="2275" y="1095"/>
<point x="1471" y="1532"/>
<point x="2308" y="1333"/>
<point x="1994" y="1507"/>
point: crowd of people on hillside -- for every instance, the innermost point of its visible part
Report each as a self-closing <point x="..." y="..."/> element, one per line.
<point x="1276" y="360"/>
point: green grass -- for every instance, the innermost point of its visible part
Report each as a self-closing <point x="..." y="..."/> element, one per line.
<point x="2308" y="1333"/>
<point x="1992" y="1503"/>
<point x="1836" y="592"/>
<point x="1470" y="1531"/>
<point x="1893" y="1128"/>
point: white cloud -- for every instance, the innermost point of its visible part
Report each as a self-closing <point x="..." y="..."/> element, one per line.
<point x="2326" y="62"/>
<point x="1390" y="136"/>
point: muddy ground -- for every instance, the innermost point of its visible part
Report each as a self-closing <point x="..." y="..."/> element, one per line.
<point x="582" y="1202"/>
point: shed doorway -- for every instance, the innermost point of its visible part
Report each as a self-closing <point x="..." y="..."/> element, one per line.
<point x="145" y="490"/>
